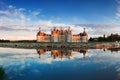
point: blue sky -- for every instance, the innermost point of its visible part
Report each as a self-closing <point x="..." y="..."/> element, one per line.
<point x="26" y="16"/>
<point x="70" y="11"/>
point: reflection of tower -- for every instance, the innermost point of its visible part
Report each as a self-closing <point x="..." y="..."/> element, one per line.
<point x="70" y="54"/>
<point x="41" y="51"/>
<point x="84" y="51"/>
<point x="104" y="50"/>
<point x="61" y="53"/>
<point x="54" y="53"/>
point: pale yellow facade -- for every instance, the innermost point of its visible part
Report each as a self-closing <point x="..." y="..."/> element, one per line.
<point x="61" y="35"/>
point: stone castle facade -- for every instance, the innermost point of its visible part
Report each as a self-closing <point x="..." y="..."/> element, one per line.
<point x="61" y="35"/>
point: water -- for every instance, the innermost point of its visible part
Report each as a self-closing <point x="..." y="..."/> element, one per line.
<point x="46" y="64"/>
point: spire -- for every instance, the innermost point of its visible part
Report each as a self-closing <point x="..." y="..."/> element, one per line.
<point x="84" y="29"/>
<point x="61" y="28"/>
<point x="54" y="28"/>
<point x="69" y="28"/>
<point x="84" y="33"/>
<point x="39" y="29"/>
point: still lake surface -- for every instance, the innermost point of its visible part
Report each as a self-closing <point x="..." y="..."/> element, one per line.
<point x="45" y="64"/>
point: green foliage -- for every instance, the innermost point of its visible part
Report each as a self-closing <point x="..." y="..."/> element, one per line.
<point x="2" y="40"/>
<point x="26" y="41"/>
<point x="19" y="41"/>
<point x="111" y="38"/>
<point x="3" y="75"/>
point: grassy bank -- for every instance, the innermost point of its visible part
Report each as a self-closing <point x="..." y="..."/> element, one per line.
<point x="36" y="45"/>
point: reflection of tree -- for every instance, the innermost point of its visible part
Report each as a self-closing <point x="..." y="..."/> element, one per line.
<point x="3" y="75"/>
<point x="114" y="49"/>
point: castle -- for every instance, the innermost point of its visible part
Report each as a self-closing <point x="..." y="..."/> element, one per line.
<point x="61" y="35"/>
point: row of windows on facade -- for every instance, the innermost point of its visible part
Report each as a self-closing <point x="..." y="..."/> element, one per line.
<point x="62" y="36"/>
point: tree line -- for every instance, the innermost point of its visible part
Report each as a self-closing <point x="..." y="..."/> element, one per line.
<point x="2" y="40"/>
<point x="110" y="38"/>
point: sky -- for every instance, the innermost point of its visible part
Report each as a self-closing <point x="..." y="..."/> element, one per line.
<point x="20" y="19"/>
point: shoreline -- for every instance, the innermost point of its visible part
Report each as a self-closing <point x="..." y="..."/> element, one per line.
<point x="36" y="45"/>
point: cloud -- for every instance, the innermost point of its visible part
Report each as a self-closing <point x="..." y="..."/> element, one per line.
<point x="11" y="7"/>
<point x="3" y="5"/>
<point x="47" y="25"/>
<point x="118" y="12"/>
<point x="55" y="18"/>
<point x="12" y="29"/>
<point x="96" y="30"/>
<point x="14" y="19"/>
<point x="35" y="13"/>
<point x="27" y="22"/>
<point x="13" y="16"/>
<point x="118" y="1"/>
<point x="75" y="19"/>
<point x="118" y="9"/>
<point x="5" y="12"/>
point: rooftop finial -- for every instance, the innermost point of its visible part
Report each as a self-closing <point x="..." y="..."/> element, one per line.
<point x="54" y="28"/>
<point x="69" y="28"/>
<point x="84" y="29"/>
<point x="39" y="29"/>
<point x="61" y="28"/>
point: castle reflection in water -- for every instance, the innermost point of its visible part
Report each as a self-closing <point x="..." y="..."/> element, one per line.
<point x="68" y="53"/>
<point x="62" y="53"/>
